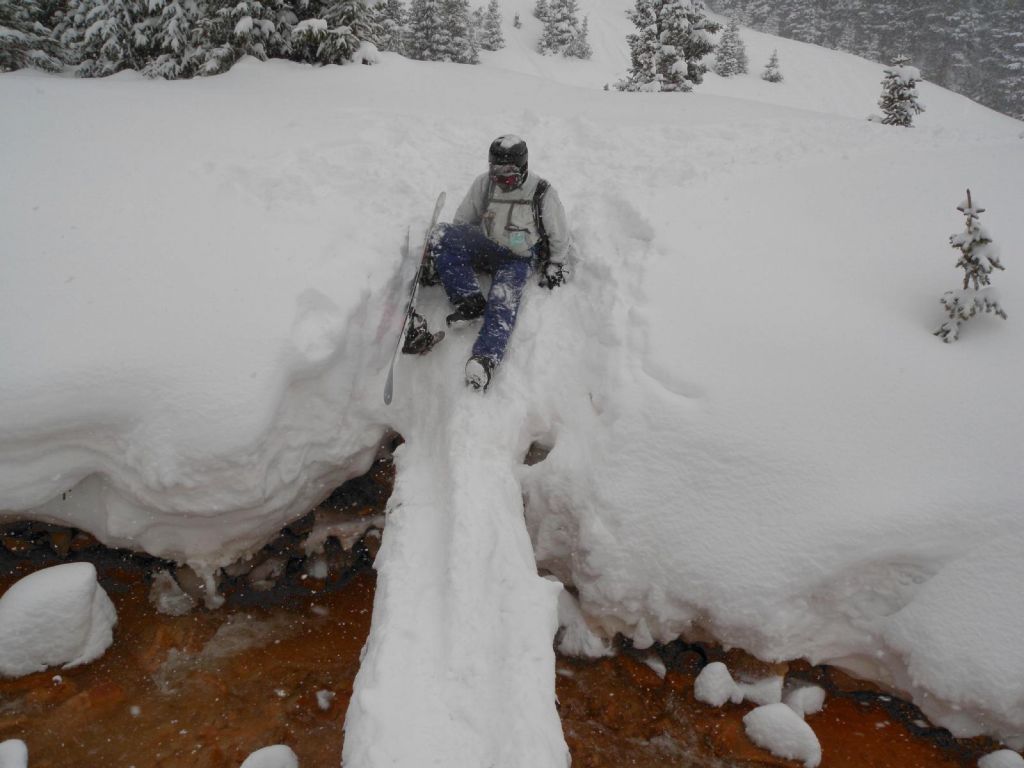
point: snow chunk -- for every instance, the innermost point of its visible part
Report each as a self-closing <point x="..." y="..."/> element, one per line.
<point x="806" y="700"/>
<point x="324" y="699"/>
<point x="13" y="754"/>
<point x="366" y="53"/>
<point x="715" y="686"/>
<point x="655" y="663"/>
<point x="58" y="615"/>
<point x="783" y="732"/>
<point x="766" y="691"/>
<point x="277" y="756"/>
<point x="167" y="596"/>
<point x="578" y="639"/>
<point x="1003" y="758"/>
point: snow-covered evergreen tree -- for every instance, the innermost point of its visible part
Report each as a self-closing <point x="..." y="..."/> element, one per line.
<point x="176" y="38"/>
<point x="559" y="25"/>
<point x="771" y="70"/>
<point x="476" y="25"/>
<point x="215" y="38"/>
<point x="262" y="28"/>
<point x="423" y="41"/>
<point x="351" y="24"/>
<point x="391" y="18"/>
<point x="579" y="46"/>
<point x="108" y="35"/>
<point x="25" y="41"/>
<point x="899" y="93"/>
<point x="978" y="258"/>
<point x="731" y="53"/>
<point x="541" y="9"/>
<point x="334" y="36"/>
<point x="455" y="39"/>
<point x="563" y="33"/>
<point x="699" y="42"/>
<point x="491" y="38"/>
<point x="665" y="51"/>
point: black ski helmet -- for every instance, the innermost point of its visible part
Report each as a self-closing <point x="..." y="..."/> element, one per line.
<point x="509" y="150"/>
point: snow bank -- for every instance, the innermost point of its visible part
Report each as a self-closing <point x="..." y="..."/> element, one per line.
<point x="59" y="615"/>
<point x="960" y="623"/>
<point x="783" y="732"/>
<point x="754" y="434"/>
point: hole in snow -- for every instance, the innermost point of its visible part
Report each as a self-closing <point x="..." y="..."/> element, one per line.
<point x="536" y="453"/>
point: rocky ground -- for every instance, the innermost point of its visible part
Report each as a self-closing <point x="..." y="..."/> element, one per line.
<point x="275" y="664"/>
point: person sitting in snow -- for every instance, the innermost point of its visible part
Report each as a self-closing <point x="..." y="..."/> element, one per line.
<point x="510" y="223"/>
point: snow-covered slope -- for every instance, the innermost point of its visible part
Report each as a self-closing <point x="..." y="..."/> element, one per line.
<point x="753" y="431"/>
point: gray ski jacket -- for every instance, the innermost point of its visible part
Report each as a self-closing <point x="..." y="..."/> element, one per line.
<point x="507" y="217"/>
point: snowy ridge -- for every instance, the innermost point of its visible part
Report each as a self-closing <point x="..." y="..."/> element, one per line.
<point x="457" y="587"/>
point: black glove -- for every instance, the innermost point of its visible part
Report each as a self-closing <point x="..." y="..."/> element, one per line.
<point x="552" y="274"/>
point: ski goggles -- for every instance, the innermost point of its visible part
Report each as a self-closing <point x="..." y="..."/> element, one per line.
<point x="506" y="176"/>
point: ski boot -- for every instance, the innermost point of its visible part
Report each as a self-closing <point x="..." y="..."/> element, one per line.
<point x="478" y="372"/>
<point x="467" y="309"/>
<point x="418" y="339"/>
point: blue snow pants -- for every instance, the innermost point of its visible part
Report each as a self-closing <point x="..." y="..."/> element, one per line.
<point x="461" y="249"/>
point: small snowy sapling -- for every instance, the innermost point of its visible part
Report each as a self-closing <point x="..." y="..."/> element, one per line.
<point x="899" y="93"/>
<point x="978" y="258"/>
<point x="771" y="71"/>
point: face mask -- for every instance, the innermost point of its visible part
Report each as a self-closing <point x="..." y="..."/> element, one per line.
<point x="507" y="177"/>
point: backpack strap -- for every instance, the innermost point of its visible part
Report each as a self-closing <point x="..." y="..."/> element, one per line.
<point x="544" y="251"/>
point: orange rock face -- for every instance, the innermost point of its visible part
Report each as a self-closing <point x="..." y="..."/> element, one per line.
<point x="203" y="690"/>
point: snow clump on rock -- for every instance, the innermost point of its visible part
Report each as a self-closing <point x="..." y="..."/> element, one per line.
<point x="13" y="754"/>
<point x="1003" y="758"/>
<point x="715" y="686"/>
<point x="806" y="700"/>
<point x="277" y="756"/>
<point x="783" y="732"/>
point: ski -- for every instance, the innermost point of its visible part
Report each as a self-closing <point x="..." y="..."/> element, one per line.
<point x="411" y="318"/>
